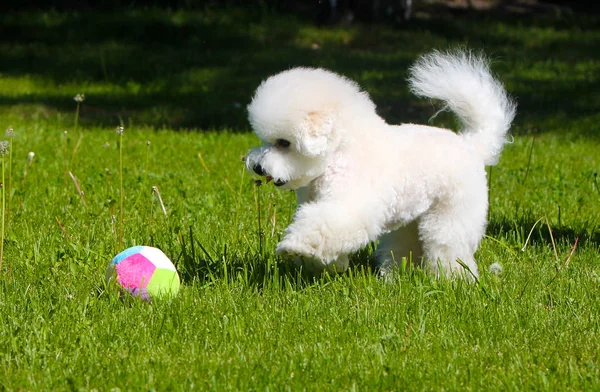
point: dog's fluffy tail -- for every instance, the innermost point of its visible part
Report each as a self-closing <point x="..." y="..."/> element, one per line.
<point x="463" y="81"/>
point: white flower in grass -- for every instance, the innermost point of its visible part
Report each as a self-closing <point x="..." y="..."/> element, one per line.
<point x="496" y="269"/>
<point x="79" y="98"/>
<point x="30" y="156"/>
<point x="120" y="130"/>
<point x="10" y="132"/>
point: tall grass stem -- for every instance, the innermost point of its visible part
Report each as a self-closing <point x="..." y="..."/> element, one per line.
<point x="9" y="182"/>
<point x="162" y="205"/>
<point x="65" y="163"/>
<point x="78" y="98"/>
<point x="529" y="160"/>
<point x="551" y="235"/>
<point x="121" y="195"/>
<point x="79" y="191"/>
<point x="3" y="216"/>
<point x="258" y="184"/>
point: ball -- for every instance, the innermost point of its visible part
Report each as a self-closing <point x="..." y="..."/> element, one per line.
<point x="144" y="271"/>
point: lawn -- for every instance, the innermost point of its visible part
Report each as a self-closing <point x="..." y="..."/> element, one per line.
<point x="178" y="81"/>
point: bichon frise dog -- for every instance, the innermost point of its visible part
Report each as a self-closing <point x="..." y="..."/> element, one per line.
<point x="420" y="190"/>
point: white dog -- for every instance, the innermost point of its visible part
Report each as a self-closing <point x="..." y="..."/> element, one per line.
<point x="420" y="190"/>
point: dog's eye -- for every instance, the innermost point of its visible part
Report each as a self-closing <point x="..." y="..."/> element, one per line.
<point x="282" y="143"/>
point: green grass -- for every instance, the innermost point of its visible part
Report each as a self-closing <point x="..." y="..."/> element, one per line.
<point x="245" y="319"/>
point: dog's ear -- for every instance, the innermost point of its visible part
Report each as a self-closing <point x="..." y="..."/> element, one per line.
<point x="317" y="129"/>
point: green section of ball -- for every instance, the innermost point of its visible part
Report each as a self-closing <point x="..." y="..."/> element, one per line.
<point x="163" y="284"/>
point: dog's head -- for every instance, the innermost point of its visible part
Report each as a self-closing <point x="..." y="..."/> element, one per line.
<point x="296" y="114"/>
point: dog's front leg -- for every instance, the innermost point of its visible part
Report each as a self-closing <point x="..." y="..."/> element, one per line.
<point x="325" y="232"/>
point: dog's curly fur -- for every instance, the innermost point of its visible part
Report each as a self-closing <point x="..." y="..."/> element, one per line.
<point x="420" y="190"/>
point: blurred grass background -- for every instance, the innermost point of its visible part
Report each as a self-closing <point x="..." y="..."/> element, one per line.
<point x="196" y="68"/>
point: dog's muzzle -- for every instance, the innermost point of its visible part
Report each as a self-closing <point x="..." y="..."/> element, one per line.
<point x="258" y="169"/>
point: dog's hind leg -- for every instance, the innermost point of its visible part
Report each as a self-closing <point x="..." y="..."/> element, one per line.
<point x="452" y="232"/>
<point x="396" y="245"/>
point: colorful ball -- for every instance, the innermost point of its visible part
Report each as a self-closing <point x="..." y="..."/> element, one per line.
<point x="144" y="271"/>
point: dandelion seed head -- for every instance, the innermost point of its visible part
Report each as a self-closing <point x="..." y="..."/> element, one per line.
<point x="10" y="132"/>
<point x="147" y="142"/>
<point x="120" y="130"/>
<point x="79" y="98"/>
<point x="496" y="269"/>
<point x="3" y="147"/>
<point x="30" y="156"/>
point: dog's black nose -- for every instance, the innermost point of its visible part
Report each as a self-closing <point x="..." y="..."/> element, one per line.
<point x="259" y="170"/>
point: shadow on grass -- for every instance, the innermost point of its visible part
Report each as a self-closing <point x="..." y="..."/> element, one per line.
<point x="198" y="69"/>
<point x="541" y="234"/>
<point x="260" y="270"/>
<point x="263" y="270"/>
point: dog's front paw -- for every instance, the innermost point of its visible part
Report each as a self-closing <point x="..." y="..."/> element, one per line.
<point x="301" y="254"/>
<point x="294" y="248"/>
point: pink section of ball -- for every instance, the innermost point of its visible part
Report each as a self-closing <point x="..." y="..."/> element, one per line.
<point x="135" y="271"/>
